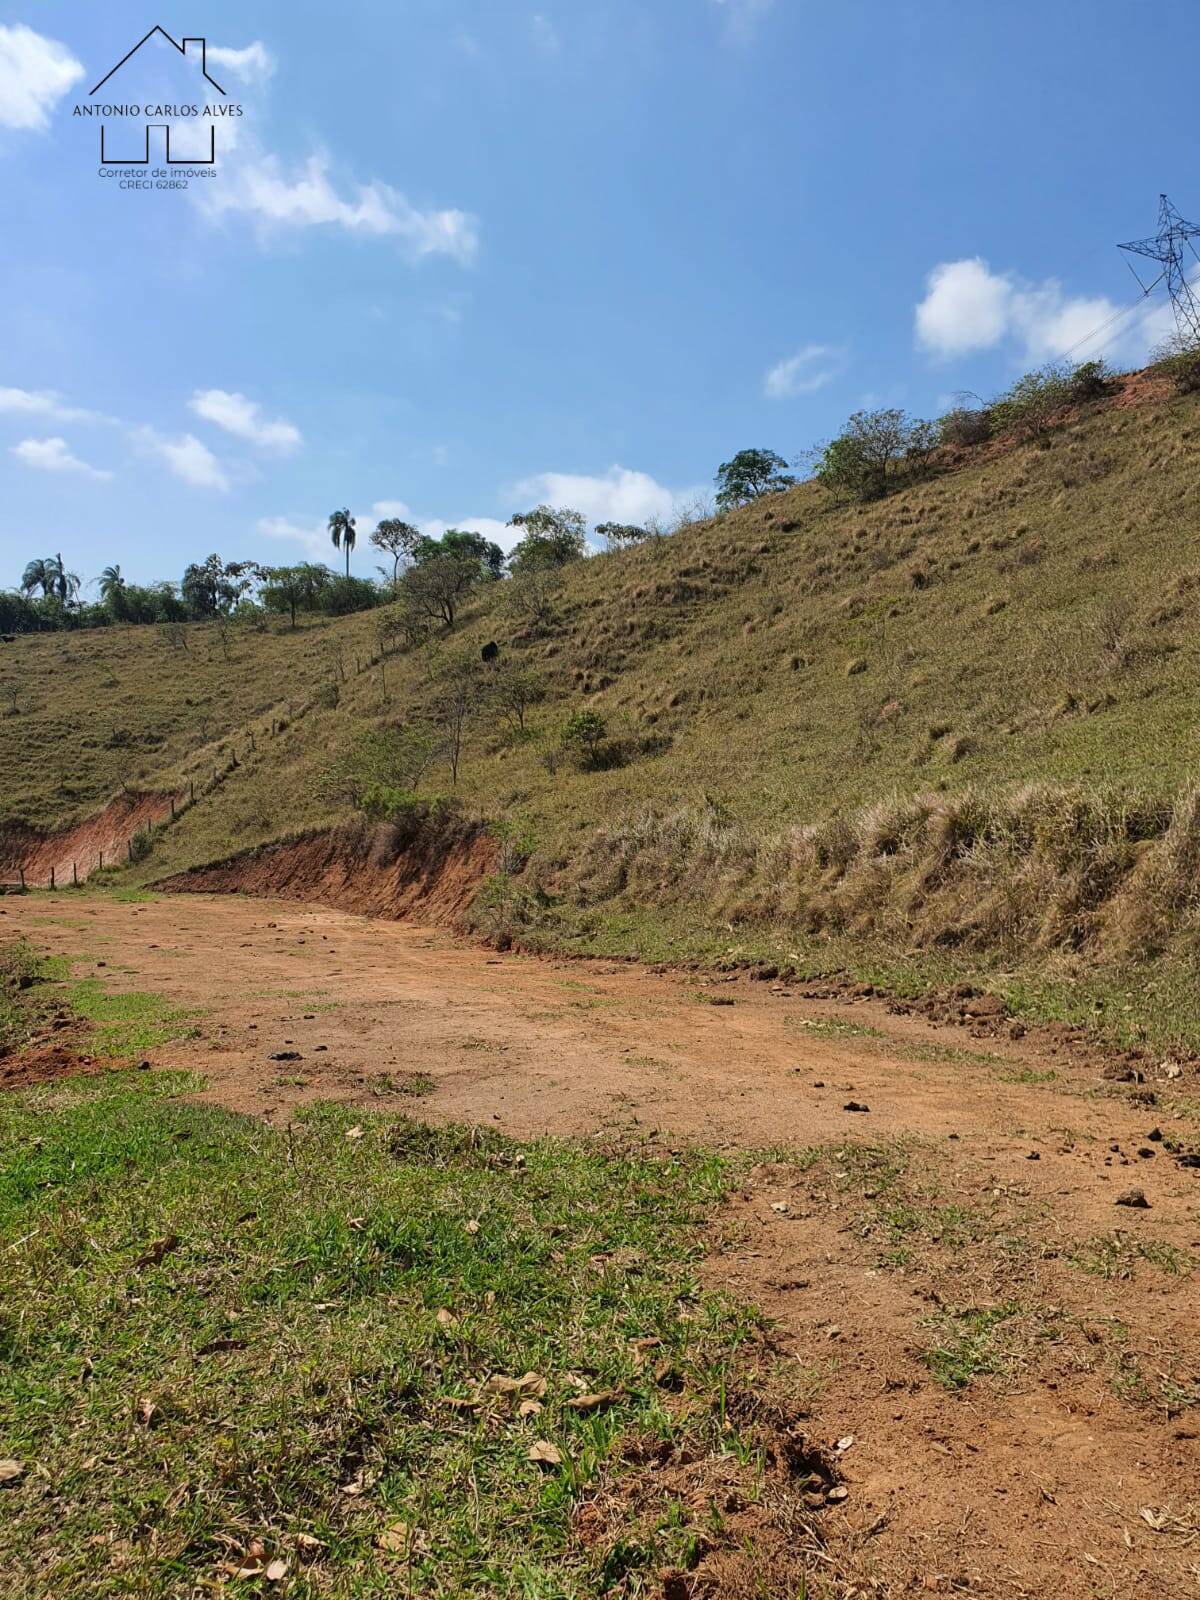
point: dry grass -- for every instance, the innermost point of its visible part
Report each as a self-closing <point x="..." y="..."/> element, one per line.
<point x="1025" y="696"/>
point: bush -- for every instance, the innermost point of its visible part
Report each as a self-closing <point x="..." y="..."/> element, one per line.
<point x="583" y="736"/>
<point x="873" y="451"/>
<point x="965" y="426"/>
<point x="1089" y="381"/>
<point x="1031" y="404"/>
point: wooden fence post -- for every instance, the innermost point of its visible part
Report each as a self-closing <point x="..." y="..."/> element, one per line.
<point x="74" y="875"/>
<point x="102" y="861"/>
<point x="52" y="877"/>
<point x="192" y="791"/>
<point x="172" y="808"/>
<point x="21" y="870"/>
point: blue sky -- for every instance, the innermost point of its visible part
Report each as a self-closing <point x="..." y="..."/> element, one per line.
<point x="458" y="258"/>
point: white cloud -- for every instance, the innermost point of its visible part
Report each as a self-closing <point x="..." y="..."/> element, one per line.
<point x="243" y="418"/>
<point x="54" y="455"/>
<point x="966" y="307"/>
<point x="187" y="457"/>
<point x="42" y="403"/>
<point x="253" y="64"/>
<point x="383" y="509"/>
<point x="258" y="187"/>
<point x="809" y="369"/>
<point x="618" y="495"/>
<point x="35" y="73"/>
<point x="314" y="536"/>
<point x="969" y="307"/>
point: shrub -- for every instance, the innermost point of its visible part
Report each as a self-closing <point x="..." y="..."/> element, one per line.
<point x="583" y="736"/>
<point x="1031" y="404"/>
<point x="1089" y="381"/>
<point x="874" y="450"/>
<point x="748" y="475"/>
<point x="965" y="426"/>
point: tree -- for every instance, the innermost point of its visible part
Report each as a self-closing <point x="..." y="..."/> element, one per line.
<point x="212" y="585"/>
<point x="293" y="588"/>
<point x="341" y="531"/>
<point x="863" y="459"/>
<point x="49" y="574"/>
<point x="457" y="686"/>
<point x="620" y="535"/>
<point x="398" y="540"/>
<point x="554" y="536"/>
<point x="437" y="586"/>
<point x="751" y="473"/>
<point x="529" y="593"/>
<point x="512" y="689"/>
<point x="464" y="545"/>
<point x="110" y="581"/>
<point x="36" y="576"/>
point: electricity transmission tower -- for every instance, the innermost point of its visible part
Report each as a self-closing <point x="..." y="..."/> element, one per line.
<point x="1167" y="247"/>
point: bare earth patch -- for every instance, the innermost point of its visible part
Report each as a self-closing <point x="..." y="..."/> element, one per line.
<point x="1001" y="1358"/>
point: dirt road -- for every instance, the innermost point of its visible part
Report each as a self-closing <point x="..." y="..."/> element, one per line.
<point x="1015" y="1353"/>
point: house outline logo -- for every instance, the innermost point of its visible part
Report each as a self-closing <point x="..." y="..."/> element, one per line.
<point x="181" y="45"/>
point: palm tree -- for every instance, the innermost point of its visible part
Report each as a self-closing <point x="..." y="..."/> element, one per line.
<point x="62" y="583"/>
<point x="36" y="576"/>
<point x="49" y="574"/>
<point x="110" y="580"/>
<point x="341" y="531"/>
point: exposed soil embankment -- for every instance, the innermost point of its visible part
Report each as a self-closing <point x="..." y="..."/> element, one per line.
<point x="102" y="840"/>
<point x="381" y="870"/>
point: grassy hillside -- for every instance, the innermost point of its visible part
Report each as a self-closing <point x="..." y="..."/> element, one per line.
<point x="1025" y="616"/>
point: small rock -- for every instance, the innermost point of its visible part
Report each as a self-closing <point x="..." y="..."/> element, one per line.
<point x="1155" y="1135"/>
<point x="1033" y="1156"/>
<point x="285" y="1055"/>
<point x="855" y="1105"/>
<point x="1136" y="1198"/>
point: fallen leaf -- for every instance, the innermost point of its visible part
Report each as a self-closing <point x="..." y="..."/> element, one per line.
<point x="472" y="1226"/>
<point x="355" y="1133"/>
<point x="147" y="1412"/>
<point x="1153" y="1519"/>
<point x="840" y="1493"/>
<point x="307" y="1541"/>
<point x="844" y="1444"/>
<point x="780" y="1205"/>
<point x="252" y="1571"/>
<point x="276" y="1571"/>
<point x="216" y="1347"/>
<point x="11" y="1470"/>
<point x="446" y="1319"/>
<point x="529" y="1408"/>
<point x="395" y="1537"/>
<point x="593" y="1402"/>
<point x="356" y="1484"/>
<point x="158" y="1250"/>
<point x="460" y="1402"/>
<point x="529" y="1383"/>
<point x="545" y="1454"/>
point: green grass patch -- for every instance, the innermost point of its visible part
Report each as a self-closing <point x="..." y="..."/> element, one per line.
<point x="969" y="1344"/>
<point x="1116" y="1255"/>
<point x="125" y="1023"/>
<point x="225" y="1345"/>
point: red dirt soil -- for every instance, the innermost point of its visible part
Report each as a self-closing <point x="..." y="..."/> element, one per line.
<point x="1067" y="1463"/>
<point x="107" y="833"/>
<point x="375" y="870"/>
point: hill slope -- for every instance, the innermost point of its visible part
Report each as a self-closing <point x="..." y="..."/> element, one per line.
<point x="1024" y="617"/>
